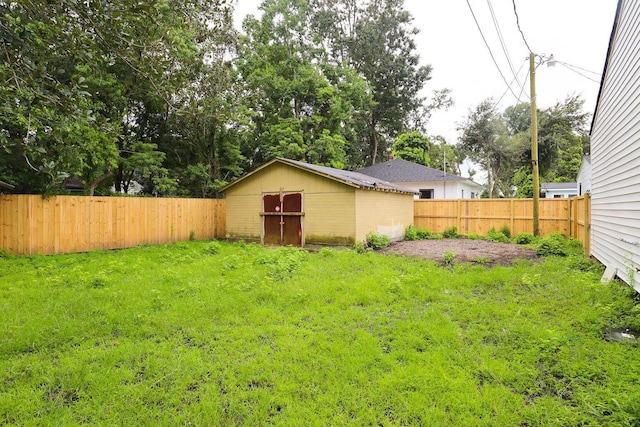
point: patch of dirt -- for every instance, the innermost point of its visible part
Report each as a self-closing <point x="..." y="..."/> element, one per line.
<point x="474" y="251"/>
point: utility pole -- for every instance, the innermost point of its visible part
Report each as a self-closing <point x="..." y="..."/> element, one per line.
<point x="534" y="146"/>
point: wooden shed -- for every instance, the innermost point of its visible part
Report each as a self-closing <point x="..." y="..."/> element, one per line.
<point x="615" y="152"/>
<point x="287" y="202"/>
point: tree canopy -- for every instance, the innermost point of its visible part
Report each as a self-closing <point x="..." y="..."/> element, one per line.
<point x="166" y="98"/>
<point x="501" y="144"/>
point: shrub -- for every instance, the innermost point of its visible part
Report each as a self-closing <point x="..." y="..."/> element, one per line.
<point x="496" y="236"/>
<point x="474" y="236"/>
<point x="425" y="234"/>
<point x="448" y="257"/>
<point x="553" y="244"/>
<point x="414" y="233"/>
<point x="505" y="230"/>
<point x="450" y="233"/>
<point x="411" y="233"/>
<point x="377" y="241"/>
<point x="523" y="238"/>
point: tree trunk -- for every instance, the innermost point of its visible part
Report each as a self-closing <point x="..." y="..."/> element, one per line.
<point x="374" y="140"/>
<point x="94" y="184"/>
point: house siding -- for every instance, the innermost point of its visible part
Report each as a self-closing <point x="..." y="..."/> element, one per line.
<point x="615" y="159"/>
<point x="445" y="189"/>
<point x="584" y="178"/>
<point x="388" y="214"/>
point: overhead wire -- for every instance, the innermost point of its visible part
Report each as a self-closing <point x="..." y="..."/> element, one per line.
<point x="522" y="85"/>
<point x="515" y="10"/>
<point x="490" y="52"/>
<point x="575" y="70"/>
<point x="502" y="43"/>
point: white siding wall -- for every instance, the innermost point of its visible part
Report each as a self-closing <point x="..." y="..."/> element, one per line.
<point x="615" y="153"/>
<point x="445" y="190"/>
<point x="584" y="179"/>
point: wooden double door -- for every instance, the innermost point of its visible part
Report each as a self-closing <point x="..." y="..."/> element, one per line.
<point x="282" y="219"/>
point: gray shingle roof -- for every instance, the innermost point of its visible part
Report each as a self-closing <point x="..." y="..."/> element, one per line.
<point x="354" y="179"/>
<point x="558" y="186"/>
<point x="399" y="170"/>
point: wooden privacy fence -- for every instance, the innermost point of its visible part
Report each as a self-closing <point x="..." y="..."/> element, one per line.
<point x="570" y="217"/>
<point x="64" y="224"/>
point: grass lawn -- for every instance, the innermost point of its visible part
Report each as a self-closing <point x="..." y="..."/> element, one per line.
<point x="219" y="334"/>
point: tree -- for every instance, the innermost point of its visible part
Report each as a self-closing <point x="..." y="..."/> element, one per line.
<point x="376" y="37"/>
<point x="485" y="140"/>
<point x="91" y="82"/>
<point x="300" y="107"/>
<point x="413" y="146"/>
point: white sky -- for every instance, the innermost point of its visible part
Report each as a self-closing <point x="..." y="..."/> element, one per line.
<point x="576" y="32"/>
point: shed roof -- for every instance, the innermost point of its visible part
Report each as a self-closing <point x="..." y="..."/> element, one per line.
<point x="400" y="170"/>
<point x="353" y="179"/>
<point x="558" y="186"/>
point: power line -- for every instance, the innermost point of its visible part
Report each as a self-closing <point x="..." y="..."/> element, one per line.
<point x="518" y="22"/>
<point x="579" y="68"/>
<point x="502" y="43"/>
<point x="524" y="83"/>
<point x="490" y="53"/>
<point x="572" y="68"/>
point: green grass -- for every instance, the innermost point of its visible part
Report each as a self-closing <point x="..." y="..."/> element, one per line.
<point x="211" y="333"/>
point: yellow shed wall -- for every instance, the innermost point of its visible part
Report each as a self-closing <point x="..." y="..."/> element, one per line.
<point x="329" y="206"/>
<point x="383" y="213"/>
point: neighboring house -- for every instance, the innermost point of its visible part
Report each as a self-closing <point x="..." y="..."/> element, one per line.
<point x="74" y="186"/>
<point x="429" y="183"/>
<point x="286" y="202"/>
<point x="584" y="176"/>
<point x="615" y="152"/>
<point x="558" y="190"/>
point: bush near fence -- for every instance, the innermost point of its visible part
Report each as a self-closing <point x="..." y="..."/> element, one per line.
<point x="32" y="224"/>
<point x="566" y="216"/>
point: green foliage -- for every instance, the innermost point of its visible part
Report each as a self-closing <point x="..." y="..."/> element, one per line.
<point x="523" y="181"/>
<point x="474" y="236"/>
<point x="87" y="85"/>
<point x="414" y="147"/>
<point x="377" y="241"/>
<point x="360" y="247"/>
<point x="553" y="244"/>
<point x="505" y="230"/>
<point x="496" y="236"/>
<point x="212" y="248"/>
<point x="501" y="143"/>
<point x="411" y="233"/>
<point x="448" y="257"/>
<point x="523" y="238"/>
<point x="450" y="232"/>
<point x="255" y="334"/>
<point x="414" y="233"/>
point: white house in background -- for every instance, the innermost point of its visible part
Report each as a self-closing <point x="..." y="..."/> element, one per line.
<point x="615" y="152"/>
<point x="584" y="176"/>
<point x="558" y="190"/>
<point x="430" y="183"/>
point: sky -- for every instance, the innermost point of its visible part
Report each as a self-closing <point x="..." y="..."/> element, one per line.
<point x="576" y="32"/>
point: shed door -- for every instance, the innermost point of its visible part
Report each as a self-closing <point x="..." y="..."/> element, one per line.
<point x="282" y="218"/>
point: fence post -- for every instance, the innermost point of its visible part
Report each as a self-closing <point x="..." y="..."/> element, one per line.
<point x="587" y="224"/>
<point x="511" y="217"/>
